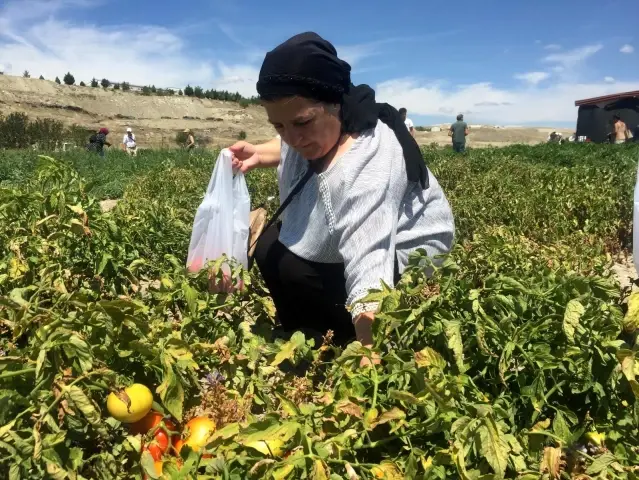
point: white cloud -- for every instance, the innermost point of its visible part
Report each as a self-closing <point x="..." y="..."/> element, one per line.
<point x="552" y="46"/>
<point x="491" y="104"/>
<point x="532" y="78"/>
<point x="138" y="54"/>
<point x="354" y="54"/>
<point x="627" y="48"/>
<point x="609" y="80"/>
<point x="573" y="58"/>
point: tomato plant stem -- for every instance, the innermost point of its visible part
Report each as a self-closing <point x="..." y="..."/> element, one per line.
<point x="17" y="373"/>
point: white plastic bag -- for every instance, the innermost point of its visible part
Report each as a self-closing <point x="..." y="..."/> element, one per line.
<point x="221" y="224"/>
<point x="635" y="225"/>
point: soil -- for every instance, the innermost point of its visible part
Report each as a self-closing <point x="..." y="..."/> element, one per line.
<point x="624" y="271"/>
<point x="492" y="136"/>
<point x="156" y="120"/>
<point x="108" y="205"/>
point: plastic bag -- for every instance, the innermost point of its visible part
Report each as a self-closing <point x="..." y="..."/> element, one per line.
<point x="635" y="225"/>
<point x="221" y="224"/>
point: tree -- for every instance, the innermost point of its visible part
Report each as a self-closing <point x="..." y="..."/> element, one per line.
<point x="57" y="80"/>
<point x="146" y="90"/>
<point x="126" y="86"/>
<point x="153" y="89"/>
<point x="180" y="93"/>
<point x="69" y="79"/>
<point x="105" y="83"/>
<point x="41" y="77"/>
<point x="188" y="91"/>
<point x="198" y="92"/>
<point x="116" y="86"/>
<point x="82" y="84"/>
<point x="26" y="74"/>
<point x="94" y="83"/>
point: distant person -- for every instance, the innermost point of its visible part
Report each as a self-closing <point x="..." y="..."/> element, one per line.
<point x="459" y="131"/>
<point x="190" y="140"/>
<point x="98" y="140"/>
<point x="128" y="143"/>
<point x="620" y="130"/>
<point x="409" y="123"/>
<point x="554" y="137"/>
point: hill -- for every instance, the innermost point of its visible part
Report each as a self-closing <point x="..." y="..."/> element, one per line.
<point x="156" y="119"/>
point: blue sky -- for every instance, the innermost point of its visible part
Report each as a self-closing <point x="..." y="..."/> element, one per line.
<point x="499" y="62"/>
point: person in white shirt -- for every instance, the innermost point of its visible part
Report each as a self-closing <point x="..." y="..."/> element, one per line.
<point x="356" y="196"/>
<point x="128" y="143"/>
<point x="409" y="123"/>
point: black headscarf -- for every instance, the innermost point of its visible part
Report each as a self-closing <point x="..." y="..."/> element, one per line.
<point x="308" y="66"/>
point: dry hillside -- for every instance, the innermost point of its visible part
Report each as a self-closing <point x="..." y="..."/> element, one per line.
<point x="156" y="120"/>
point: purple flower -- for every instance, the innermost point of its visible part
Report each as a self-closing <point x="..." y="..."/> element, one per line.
<point x="213" y="378"/>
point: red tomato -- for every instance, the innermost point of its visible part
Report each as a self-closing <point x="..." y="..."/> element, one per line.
<point x="155" y="451"/>
<point x="153" y="421"/>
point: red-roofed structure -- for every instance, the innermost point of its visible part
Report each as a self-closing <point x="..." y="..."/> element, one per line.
<point x="607" y="98"/>
<point x="595" y="117"/>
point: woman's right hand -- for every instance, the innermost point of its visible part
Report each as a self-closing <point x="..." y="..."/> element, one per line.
<point x="245" y="156"/>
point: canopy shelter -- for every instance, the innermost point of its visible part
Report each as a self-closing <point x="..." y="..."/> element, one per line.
<point x="594" y="119"/>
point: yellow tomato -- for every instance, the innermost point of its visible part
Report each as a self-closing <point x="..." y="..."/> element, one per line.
<point x="200" y="430"/>
<point x="140" y="400"/>
<point x="596" y="438"/>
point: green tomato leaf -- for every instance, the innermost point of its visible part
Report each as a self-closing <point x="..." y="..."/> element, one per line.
<point x="171" y="392"/>
<point x="83" y="403"/>
<point x="572" y="316"/>
<point x="601" y="464"/>
<point x="287" y="351"/>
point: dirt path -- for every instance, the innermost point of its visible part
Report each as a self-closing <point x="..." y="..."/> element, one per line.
<point x="108" y="205"/>
<point x="625" y="272"/>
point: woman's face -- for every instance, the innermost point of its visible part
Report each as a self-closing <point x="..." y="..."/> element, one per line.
<point x="311" y="128"/>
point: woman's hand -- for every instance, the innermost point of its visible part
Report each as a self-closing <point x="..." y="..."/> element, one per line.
<point x="245" y="156"/>
<point x="364" y="334"/>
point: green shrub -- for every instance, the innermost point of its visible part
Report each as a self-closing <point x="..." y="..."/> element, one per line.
<point x="69" y="79"/>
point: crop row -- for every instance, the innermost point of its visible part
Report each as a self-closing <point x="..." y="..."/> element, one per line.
<point x="516" y="360"/>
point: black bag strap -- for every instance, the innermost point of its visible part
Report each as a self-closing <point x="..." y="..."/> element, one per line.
<point x="296" y="189"/>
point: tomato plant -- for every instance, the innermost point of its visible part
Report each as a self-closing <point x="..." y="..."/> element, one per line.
<point x="517" y="358"/>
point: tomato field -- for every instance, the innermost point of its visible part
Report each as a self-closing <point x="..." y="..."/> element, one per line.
<point x="517" y="359"/>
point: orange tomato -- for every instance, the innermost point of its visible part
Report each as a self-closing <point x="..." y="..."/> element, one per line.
<point x="200" y="430"/>
<point x="158" y="469"/>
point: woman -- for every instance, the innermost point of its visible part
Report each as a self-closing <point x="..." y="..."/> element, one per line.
<point x="190" y="140"/>
<point x="367" y="199"/>
<point x="97" y="141"/>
